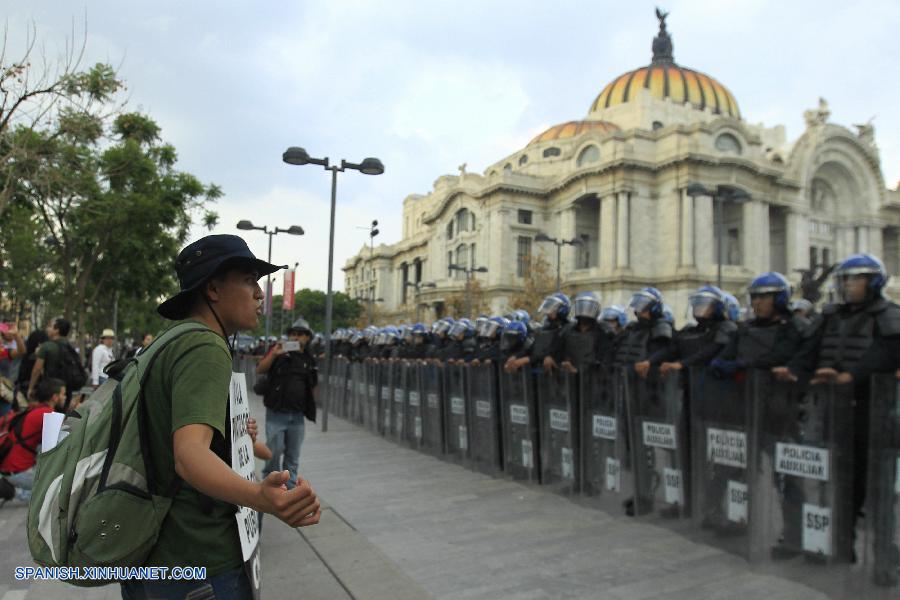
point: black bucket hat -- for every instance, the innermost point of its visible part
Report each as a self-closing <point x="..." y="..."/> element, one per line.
<point x="200" y="260"/>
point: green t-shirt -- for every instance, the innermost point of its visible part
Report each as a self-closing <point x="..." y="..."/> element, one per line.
<point x="49" y="351"/>
<point x="189" y="384"/>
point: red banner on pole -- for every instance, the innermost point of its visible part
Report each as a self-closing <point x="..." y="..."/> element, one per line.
<point x="287" y="302"/>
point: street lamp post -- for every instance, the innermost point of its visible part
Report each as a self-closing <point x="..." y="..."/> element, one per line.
<point x="418" y="285"/>
<point x="543" y="237"/>
<point x="468" y="273"/>
<point x="245" y="225"/>
<point x="369" y="166"/>
<point x="721" y="196"/>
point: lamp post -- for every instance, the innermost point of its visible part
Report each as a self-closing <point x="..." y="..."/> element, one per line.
<point x="245" y="225"/>
<point x="721" y="196"/>
<point x="373" y="231"/>
<point x="369" y="166"/>
<point x="543" y="237"/>
<point x="468" y="273"/>
<point x="418" y="285"/>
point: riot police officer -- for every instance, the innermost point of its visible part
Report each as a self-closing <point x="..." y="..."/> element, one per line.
<point x="439" y="338"/>
<point x="488" y="339"/>
<point x="555" y="311"/>
<point x="699" y="344"/>
<point x="845" y="344"/>
<point x="772" y="337"/>
<point x="614" y="319"/>
<point x="583" y="342"/>
<point x="647" y="335"/>
<point x="462" y="342"/>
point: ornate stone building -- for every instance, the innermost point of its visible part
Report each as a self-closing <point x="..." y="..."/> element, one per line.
<point x="616" y="182"/>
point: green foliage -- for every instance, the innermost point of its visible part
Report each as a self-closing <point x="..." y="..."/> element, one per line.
<point x="310" y="304"/>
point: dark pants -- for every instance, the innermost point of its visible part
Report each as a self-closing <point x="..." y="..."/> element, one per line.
<point x="230" y="585"/>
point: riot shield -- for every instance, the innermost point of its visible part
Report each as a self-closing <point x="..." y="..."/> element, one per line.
<point x="557" y="395"/>
<point x="372" y="390"/>
<point x="801" y="492"/>
<point x="349" y="388"/>
<point x="414" y="423"/>
<point x="721" y="436"/>
<point x="660" y="451"/>
<point x="881" y="551"/>
<point x="520" y="426"/>
<point x="384" y="397"/>
<point x="433" y="409"/>
<point x="398" y="404"/>
<point x="484" y="419"/>
<point x="456" y="428"/>
<point x="607" y="475"/>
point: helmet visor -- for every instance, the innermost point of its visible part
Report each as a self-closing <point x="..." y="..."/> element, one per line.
<point x="852" y="288"/>
<point x="457" y="328"/>
<point x="490" y="329"/>
<point x="641" y="302"/>
<point x="586" y="307"/>
<point x="549" y="307"/>
<point x="442" y="327"/>
<point x="703" y="306"/>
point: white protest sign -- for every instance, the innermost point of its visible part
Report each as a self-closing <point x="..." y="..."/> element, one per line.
<point x="242" y="463"/>
<point x="817" y="529"/>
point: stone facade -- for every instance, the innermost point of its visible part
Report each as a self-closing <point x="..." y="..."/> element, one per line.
<point x="617" y="182"/>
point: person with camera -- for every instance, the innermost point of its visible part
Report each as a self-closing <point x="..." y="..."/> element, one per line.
<point x="288" y="395"/>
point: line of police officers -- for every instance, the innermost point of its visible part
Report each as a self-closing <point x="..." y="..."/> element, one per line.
<point x="848" y="341"/>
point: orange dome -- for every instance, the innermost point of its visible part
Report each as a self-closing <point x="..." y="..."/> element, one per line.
<point x="572" y="129"/>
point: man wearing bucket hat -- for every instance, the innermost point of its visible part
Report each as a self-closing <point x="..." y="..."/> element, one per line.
<point x="102" y="356"/>
<point x="292" y="379"/>
<point x="187" y="393"/>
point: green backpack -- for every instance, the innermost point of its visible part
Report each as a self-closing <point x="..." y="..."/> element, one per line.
<point x="94" y="501"/>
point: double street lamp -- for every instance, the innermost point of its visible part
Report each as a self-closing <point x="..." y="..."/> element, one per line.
<point x="245" y="225"/>
<point x="373" y="231"/>
<point x="721" y="195"/>
<point x="468" y="272"/>
<point x="543" y="237"/>
<point x="418" y="285"/>
<point x="369" y="166"/>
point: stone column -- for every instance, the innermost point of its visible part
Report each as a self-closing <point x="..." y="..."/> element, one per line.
<point x="755" y="250"/>
<point x="607" y="233"/>
<point x="623" y="222"/>
<point x="566" y="231"/>
<point x="704" y="234"/>
<point x="687" y="256"/>
<point x="797" y="235"/>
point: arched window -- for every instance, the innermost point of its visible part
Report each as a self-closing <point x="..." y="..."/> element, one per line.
<point x="462" y="259"/>
<point x="552" y="151"/>
<point x="450" y="230"/>
<point x="523" y="159"/>
<point x="462" y="220"/>
<point x="728" y="143"/>
<point x="657" y="125"/>
<point x="507" y="167"/>
<point x="588" y="155"/>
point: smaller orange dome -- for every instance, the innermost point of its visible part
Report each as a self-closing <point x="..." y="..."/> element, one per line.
<point x="572" y="129"/>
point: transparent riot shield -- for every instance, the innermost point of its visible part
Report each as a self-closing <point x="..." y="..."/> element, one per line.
<point x="398" y="405"/>
<point x="484" y="419"/>
<point x="660" y="448"/>
<point x="557" y="395"/>
<point x="456" y="428"/>
<point x="520" y="426"/>
<point x="414" y="395"/>
<point x="433" y="409"/>
<point x="721" y="437"/>
<point x="349" y="388"/>
<point x="801" y="498"/>
<point x="371" y="413"/>
<point x="607" y="475"/>
<point x="384" y="397"/>
<point x="881" y="550"/>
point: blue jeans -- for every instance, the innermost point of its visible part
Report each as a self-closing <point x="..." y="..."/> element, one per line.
<point x="230" y="585"/>
<point x="284" y="436"/>
<point x="23" y="481"/>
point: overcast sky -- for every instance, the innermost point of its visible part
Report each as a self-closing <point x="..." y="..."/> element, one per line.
<point x="428" y="85"/>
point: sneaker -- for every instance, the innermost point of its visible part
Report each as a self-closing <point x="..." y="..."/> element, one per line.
<point x="7" y="490"/>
